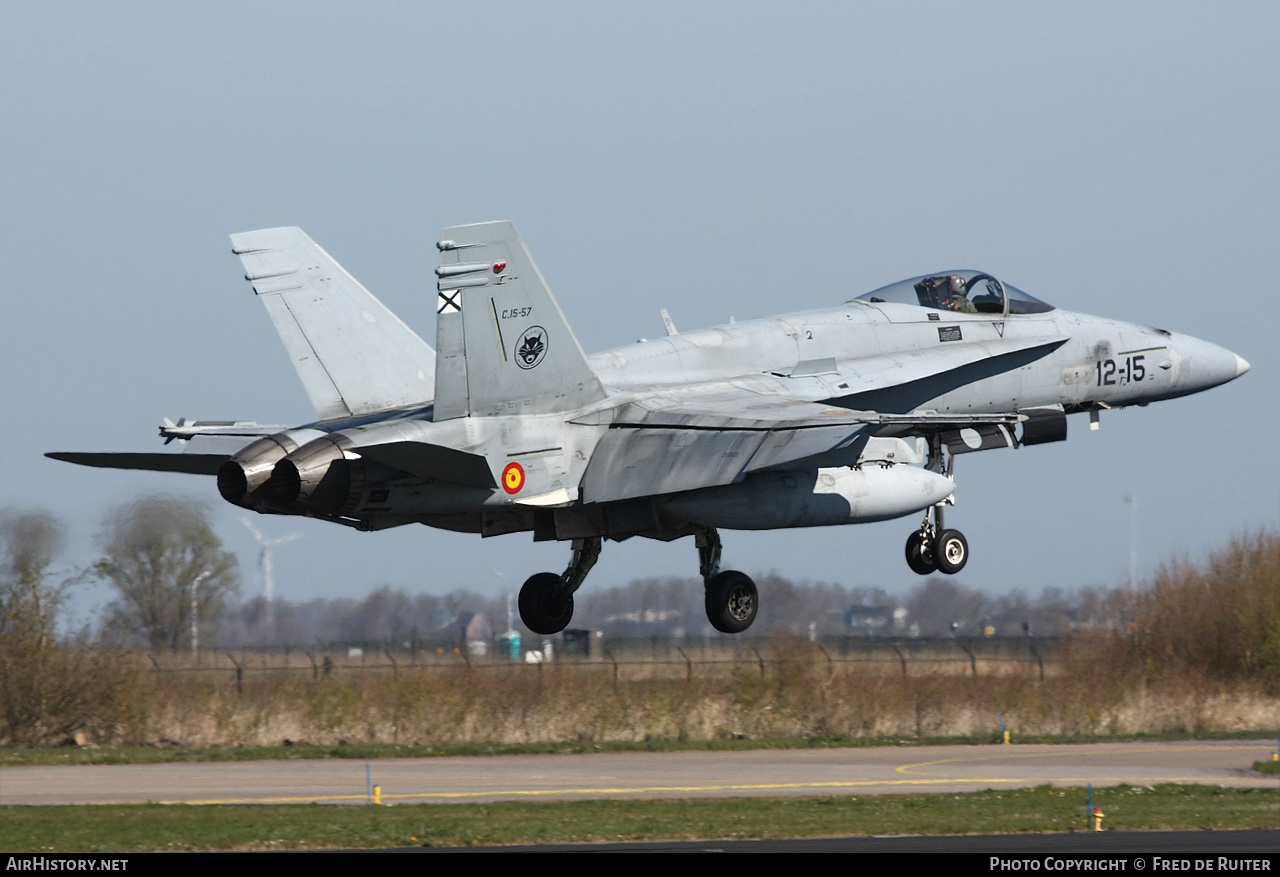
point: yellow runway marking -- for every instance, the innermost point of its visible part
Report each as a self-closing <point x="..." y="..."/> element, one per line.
<point x="908" y="768"/>
<point x="639" y="790"/>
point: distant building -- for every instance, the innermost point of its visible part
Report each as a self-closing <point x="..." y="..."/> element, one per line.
<point x="874" y="620"/>
<point x="579" y="642"/>
<point x="472" y="632"/>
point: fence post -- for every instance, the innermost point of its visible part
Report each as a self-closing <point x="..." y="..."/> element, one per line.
<point x="614" y="661"/>
<point x="901" y="657"/>
<point x="688" y="665"/>
<point x="831" y="665"/>
<point x="239" y="674"/>
<point x="973" y="663"/>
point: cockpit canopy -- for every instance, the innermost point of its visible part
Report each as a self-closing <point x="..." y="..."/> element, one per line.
<point x="971" y="292"/>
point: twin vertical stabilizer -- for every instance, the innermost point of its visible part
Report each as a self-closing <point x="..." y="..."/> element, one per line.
<point x="353" y="355"/>
<point x="502" y="344"/>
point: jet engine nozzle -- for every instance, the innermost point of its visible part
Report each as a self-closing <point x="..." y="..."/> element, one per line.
<point x="319" y="477"/>
<point x="242" y="479"/>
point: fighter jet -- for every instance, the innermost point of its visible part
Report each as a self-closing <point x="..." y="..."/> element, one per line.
<point x="842" y="415"/>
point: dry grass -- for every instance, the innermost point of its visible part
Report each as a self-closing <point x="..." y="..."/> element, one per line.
<point x="1203" y="655"/>
<point x="802" y="696"/>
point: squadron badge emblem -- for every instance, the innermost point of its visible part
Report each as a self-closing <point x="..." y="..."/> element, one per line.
<point x="532" y="347"/>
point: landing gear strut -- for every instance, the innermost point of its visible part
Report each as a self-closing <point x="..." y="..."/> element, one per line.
<point x="546" y="599"/>
<point x="933" y="548"/>
<point x="732" y="598"/>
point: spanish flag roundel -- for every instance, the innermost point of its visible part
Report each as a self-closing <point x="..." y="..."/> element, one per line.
<point x="513" y="478"/>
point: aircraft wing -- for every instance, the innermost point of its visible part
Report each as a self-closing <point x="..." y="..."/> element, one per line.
<point x="683" y="439"/>
<point x="654" y="447"/>
<point x="736" y="411"/>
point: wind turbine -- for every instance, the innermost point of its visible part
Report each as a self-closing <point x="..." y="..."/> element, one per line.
<point x="266" y="561"/>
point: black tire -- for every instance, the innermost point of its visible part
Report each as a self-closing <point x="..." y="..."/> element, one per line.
<point x="732" y="601"/>
<point x="920" y="561"/>
<point x="951" y="551"/>
<point x="544" y="607"/>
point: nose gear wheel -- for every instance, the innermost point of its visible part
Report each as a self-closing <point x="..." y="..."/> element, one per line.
<point x="919" y="557"/>
<point x="951" y="551"/>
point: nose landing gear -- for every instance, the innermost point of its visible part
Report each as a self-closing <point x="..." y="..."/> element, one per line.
<point x="934" y="549"/>
<point x="952" y="551"/>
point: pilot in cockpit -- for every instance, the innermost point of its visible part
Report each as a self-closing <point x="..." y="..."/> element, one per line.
<point x="945" y="292"/>
<point x="959" y="300"/>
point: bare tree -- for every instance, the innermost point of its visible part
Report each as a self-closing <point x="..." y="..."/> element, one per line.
<point x="29" y="597"/>
<point x="155" y="552"/>
<point x="938" y="603"/>
<point x="49" y="688"/>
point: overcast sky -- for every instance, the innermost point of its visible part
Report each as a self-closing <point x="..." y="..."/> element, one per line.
<point x="715" y="159"/>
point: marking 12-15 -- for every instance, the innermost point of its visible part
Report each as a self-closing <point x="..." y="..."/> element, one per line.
<point x="1112" y="372"/>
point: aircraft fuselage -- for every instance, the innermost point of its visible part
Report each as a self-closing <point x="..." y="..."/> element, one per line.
<point x="828" y="356"/>
<point x="835" y="416"/>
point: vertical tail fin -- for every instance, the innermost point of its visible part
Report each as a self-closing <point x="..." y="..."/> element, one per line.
<point x="353" y="355"/>
<point x="504" y="347"/>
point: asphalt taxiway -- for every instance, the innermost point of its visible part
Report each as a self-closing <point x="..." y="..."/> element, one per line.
<point x="646" y="775"/>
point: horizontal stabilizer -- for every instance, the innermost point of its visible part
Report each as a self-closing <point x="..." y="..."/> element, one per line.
<point x="353" y="355"/>
<point x="192" y="464"/>
<point x="432" y="461"/>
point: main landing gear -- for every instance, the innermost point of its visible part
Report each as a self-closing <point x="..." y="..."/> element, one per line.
<point x="933" y="548"/>
<point x="732" y="598"/>
<point x="546" y="599"/>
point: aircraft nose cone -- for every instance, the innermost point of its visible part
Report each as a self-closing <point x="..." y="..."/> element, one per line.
<point x="1205" y="365"/>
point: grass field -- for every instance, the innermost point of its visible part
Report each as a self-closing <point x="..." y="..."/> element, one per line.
<point x="149" y="827"/>
<point x="791" y="691"/>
